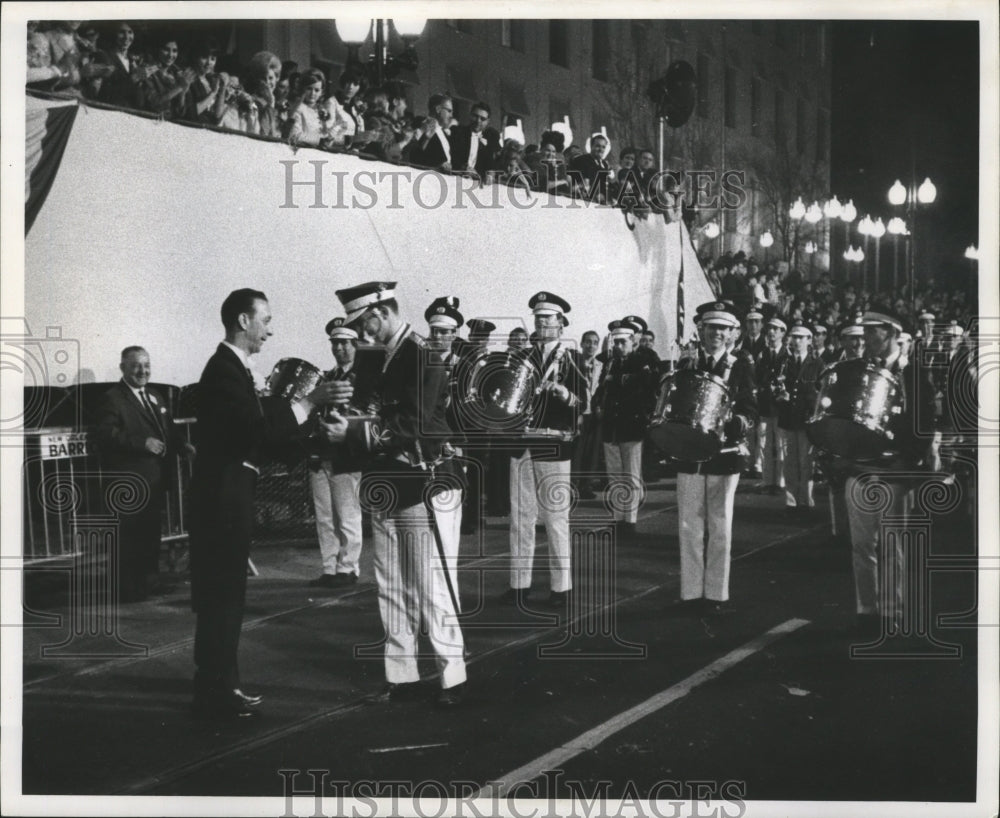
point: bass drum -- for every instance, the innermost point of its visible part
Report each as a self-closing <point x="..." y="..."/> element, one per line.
<point x="502" y="392"/>
<point x="692" y="408"/>
<point x="854" y="408"/>
<point x="292" y="379"/>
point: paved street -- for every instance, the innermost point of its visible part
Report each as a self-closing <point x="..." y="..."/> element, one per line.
<point x="619" y="689"/>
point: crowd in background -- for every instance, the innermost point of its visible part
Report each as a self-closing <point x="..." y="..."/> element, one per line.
<point x="197" y="82"/>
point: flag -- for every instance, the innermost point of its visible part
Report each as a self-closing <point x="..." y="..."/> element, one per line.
<point x="47" y="131"/>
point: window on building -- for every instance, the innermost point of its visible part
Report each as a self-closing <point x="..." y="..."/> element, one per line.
<point x="512" y="34"/>
<point x="755" y="104"/>
<point x="601" y="50"/>
<point x="779" y="115"/>
<point x="822" y="135"/>
<point x="730" y="97"/>
<point x="801" y="129"/>
<point x="704" y="80"/>
<point x="559" y="42"/>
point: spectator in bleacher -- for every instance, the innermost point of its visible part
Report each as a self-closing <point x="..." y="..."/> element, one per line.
<point x="549" y="170"/>
<point x="430" y="148"/>
<point x="262" y="75"/>
<point x="120" y="84"/>
<point x="282" y="95"/>
<point x="239" y="110"/>
<point x="166" y="84"/>
<point x="351" y="106"/>
<point x="514" y="172"/>
<point x="386" y="122"/>
<point x="626" y="163"/>
<point x="206" y="97"/>
<point x="591" y="171"/>
<point x="475" y="147"/>
<point x="93" y="68"/>
<point x="53" y="59"/>
<point x="309" y="121"/>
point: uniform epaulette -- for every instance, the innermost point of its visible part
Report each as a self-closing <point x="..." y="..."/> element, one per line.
<point x="419" y="339"/>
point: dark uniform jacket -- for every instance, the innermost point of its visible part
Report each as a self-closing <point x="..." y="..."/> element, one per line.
<point x="488" y="155"/>
<point x="737" y="371"/>
<point x="770" y="368"/>
<point x="626" y="397"/>
<point x="754" y="346"/>
<point x="408" y="444"/>
<point x="236" y="429"/>
<point x="549" y="412"/>
<point x="362" y="376"/>
<point x="802" y="385"/>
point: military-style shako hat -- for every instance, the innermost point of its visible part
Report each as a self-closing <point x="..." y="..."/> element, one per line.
<point x="337" y="330"/>
<point x="818" y="328"/>
<point x="955" y="329"/>
<point x="755" y="314"/>
<point x="802" y="329"/>
<point x="621" y="329"/>
<point x="777" y="323"/>
<point x="638" y="324"/>
<point x="480" y="326"/>
<point x="443" y="312"/>
<point x="926" y="315"/>
<point x="882" y="318"/>
<point x="717" y="312"/>
<point x="357" y="300"/>
<point x="852" y="329"/>
<point x="545" y="303"/>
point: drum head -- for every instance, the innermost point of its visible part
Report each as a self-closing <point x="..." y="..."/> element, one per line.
<point x="685" y="443"/>
<point x="502" y="395"/>
<point x="845" y="438"/>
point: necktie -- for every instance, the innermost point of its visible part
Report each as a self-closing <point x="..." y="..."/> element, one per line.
<point x="710" y="362"/>
<point x="150" y="411"/>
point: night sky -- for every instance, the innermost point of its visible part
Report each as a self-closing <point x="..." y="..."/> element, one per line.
<point x="905" y="89"/>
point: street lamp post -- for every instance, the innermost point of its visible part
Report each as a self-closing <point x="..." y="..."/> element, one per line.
<point x="865" y="229"/>
<point x="383" y="65"/>
<point x="766" y="240"/>
<point x="877" y="231"/>
<point x="811" y="249"/>
<point x="813" y="215"/>
<point x="896" y="228"/>
<point x="797" y="211"/>
<point x="848" y="213"/>
<point x="898" y="196"/>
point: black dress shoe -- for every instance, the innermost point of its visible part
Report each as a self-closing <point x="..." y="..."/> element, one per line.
<point x="687" y="607"/>
<point x="406" y="692"/>
<point x="324" y="581"/>
<point x="247" y="698"/>
<point x="223" y="707"/>
<point x="450" y="697"/>
<point x="343" y="580"/>
<point x="515" y="596"/>
<point x="717" y="607"/>
<point x="558" y="600"/>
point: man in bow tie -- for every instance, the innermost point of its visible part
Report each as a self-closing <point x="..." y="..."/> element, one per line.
<point x="136" y="435"/>
<point x="475" y="146"/>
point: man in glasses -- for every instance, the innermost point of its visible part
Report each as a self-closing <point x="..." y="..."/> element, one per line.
<point x="430" y="148"/>
<point x="475" y="146"/>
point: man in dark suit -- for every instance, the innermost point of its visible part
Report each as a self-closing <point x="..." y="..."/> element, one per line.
<point x="135" y="434"/>
<point x="795" y="406"/>
<point x="474" y="146"/>
<point x="591" y="172"/>
<point x="430" y="147"/>
<point x="235" y="431"/>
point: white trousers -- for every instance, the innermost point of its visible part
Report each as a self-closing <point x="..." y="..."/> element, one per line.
<point x="338" y="518"/>
<point x="705" y="501"/>
<point x="866" y="545"/>
<point x="413" y="589"/>
<point x="798" y="468"/>
<point x="771" y="452"/>
<point x="624" y="462"/>
<point x="539" y="490"/>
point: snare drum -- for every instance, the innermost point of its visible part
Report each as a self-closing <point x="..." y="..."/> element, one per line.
<point x="502" y="391"/>
<point x="854" y="409"/>
<point x="293" y="379"/>
<point x="692" y="408"/>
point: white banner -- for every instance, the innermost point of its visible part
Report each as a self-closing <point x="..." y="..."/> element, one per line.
<point x="149" y="225"/>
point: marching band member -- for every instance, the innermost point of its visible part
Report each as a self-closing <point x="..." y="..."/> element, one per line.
<point x="769" y="376"/>
<point x="706" y="491"/>
<point x="443" y="320"/>
<point x="625" y="401"/>
<point x="587" y="455"/>
<point x="852" y="341"/>
<point x="408" y="467"/>
<point x="826" y="354"/>
<point x="649" y="358"/>
<point x="540" y="467"/>
<point x="753" y="343"/>
<point x="882" y="329"/>
<point x="334" y="477"/>
<point x="795" y="406"/>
